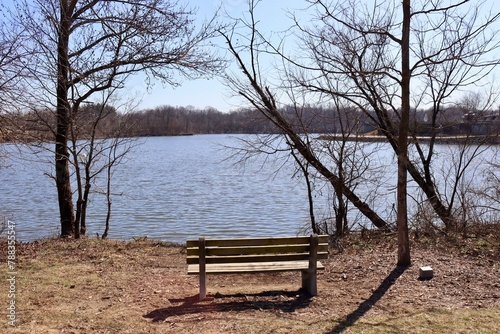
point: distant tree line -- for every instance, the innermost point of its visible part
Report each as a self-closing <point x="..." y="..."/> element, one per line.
<point x="172" y="121"/>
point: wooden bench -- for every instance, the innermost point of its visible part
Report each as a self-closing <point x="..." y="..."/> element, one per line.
<point x="258" y="255"/>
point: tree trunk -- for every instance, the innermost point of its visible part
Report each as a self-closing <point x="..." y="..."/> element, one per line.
<point x="79" y="200"/>
<point x="310" y="199"/>
<point x="63" y="184"/>
<point x="402" y="215"/>
<point x="305" y="172"/>
<point x="86" y="192"/>
<point x="429" y="189"/>
<point x="341" y="213"/>
<point x="341" y="204"/>
<point x="111" y="161"/>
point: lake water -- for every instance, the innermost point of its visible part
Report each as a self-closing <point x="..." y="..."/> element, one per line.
<point x="171" y="188"/>
<point x="175" y="188"/>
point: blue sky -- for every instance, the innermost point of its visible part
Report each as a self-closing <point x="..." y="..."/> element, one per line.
<point x="202" y="93"/>
<point x="273" y="15"/>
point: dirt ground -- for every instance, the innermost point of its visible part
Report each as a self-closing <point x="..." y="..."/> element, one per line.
<point x="95" y="286"/>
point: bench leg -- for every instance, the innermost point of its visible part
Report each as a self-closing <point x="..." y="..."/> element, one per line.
<point x="309" y="282"/>
<point x="203" y="270"/>
<point x="203" y="286"/>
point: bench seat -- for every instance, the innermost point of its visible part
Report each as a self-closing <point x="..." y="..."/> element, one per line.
<point x="252" y="267"/>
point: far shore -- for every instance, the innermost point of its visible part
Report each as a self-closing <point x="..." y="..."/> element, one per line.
<point x="479" y="139"/>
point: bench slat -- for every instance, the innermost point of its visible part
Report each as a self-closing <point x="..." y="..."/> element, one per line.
<point x="256" y="258"/>
<point x="257" y="241"/>
<point x="249" y="250"/>
<point x="253" y="267"/>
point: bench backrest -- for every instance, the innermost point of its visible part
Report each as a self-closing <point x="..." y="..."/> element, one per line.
<point x="256" y="249"/>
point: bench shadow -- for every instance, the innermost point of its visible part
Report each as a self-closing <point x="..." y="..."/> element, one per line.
<point x="365" y="306"/>
<point x="286" y="301"/>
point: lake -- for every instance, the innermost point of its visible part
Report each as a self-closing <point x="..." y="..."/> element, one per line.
<point x="175" y="188"/>
<point x="170" y="188"/>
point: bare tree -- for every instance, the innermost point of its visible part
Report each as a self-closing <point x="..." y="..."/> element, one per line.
<point x="96" y="149"/>
<point x="116" y="153"/>
<point x="492" y="191"/>
<point x="10" y="69"/>
<point x="362" y="49"/>
<point x="345" y="155"/>
<point x="254" y="88"/>
<point x="79" y="48"/>
<point x="369" y="55"/>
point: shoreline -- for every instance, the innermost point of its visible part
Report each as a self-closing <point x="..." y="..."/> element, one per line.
<point x="492" y="140"/>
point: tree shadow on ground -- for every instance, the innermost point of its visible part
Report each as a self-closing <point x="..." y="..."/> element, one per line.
<point x="368" y="304"/>
<point x="286" y="301"/>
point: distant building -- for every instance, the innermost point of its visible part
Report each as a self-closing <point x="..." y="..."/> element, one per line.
<point x="482" y="124"/>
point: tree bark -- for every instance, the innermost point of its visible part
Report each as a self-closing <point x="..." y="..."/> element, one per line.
<point x="404" y="258"/>
<point x="64" y="193"/>
<point x="305" y="172"/>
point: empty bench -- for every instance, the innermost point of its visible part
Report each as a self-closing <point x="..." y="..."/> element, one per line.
<point x="258" y="255"/>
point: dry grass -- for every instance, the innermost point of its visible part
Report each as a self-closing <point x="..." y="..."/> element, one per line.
<point x="95" y="286"/>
